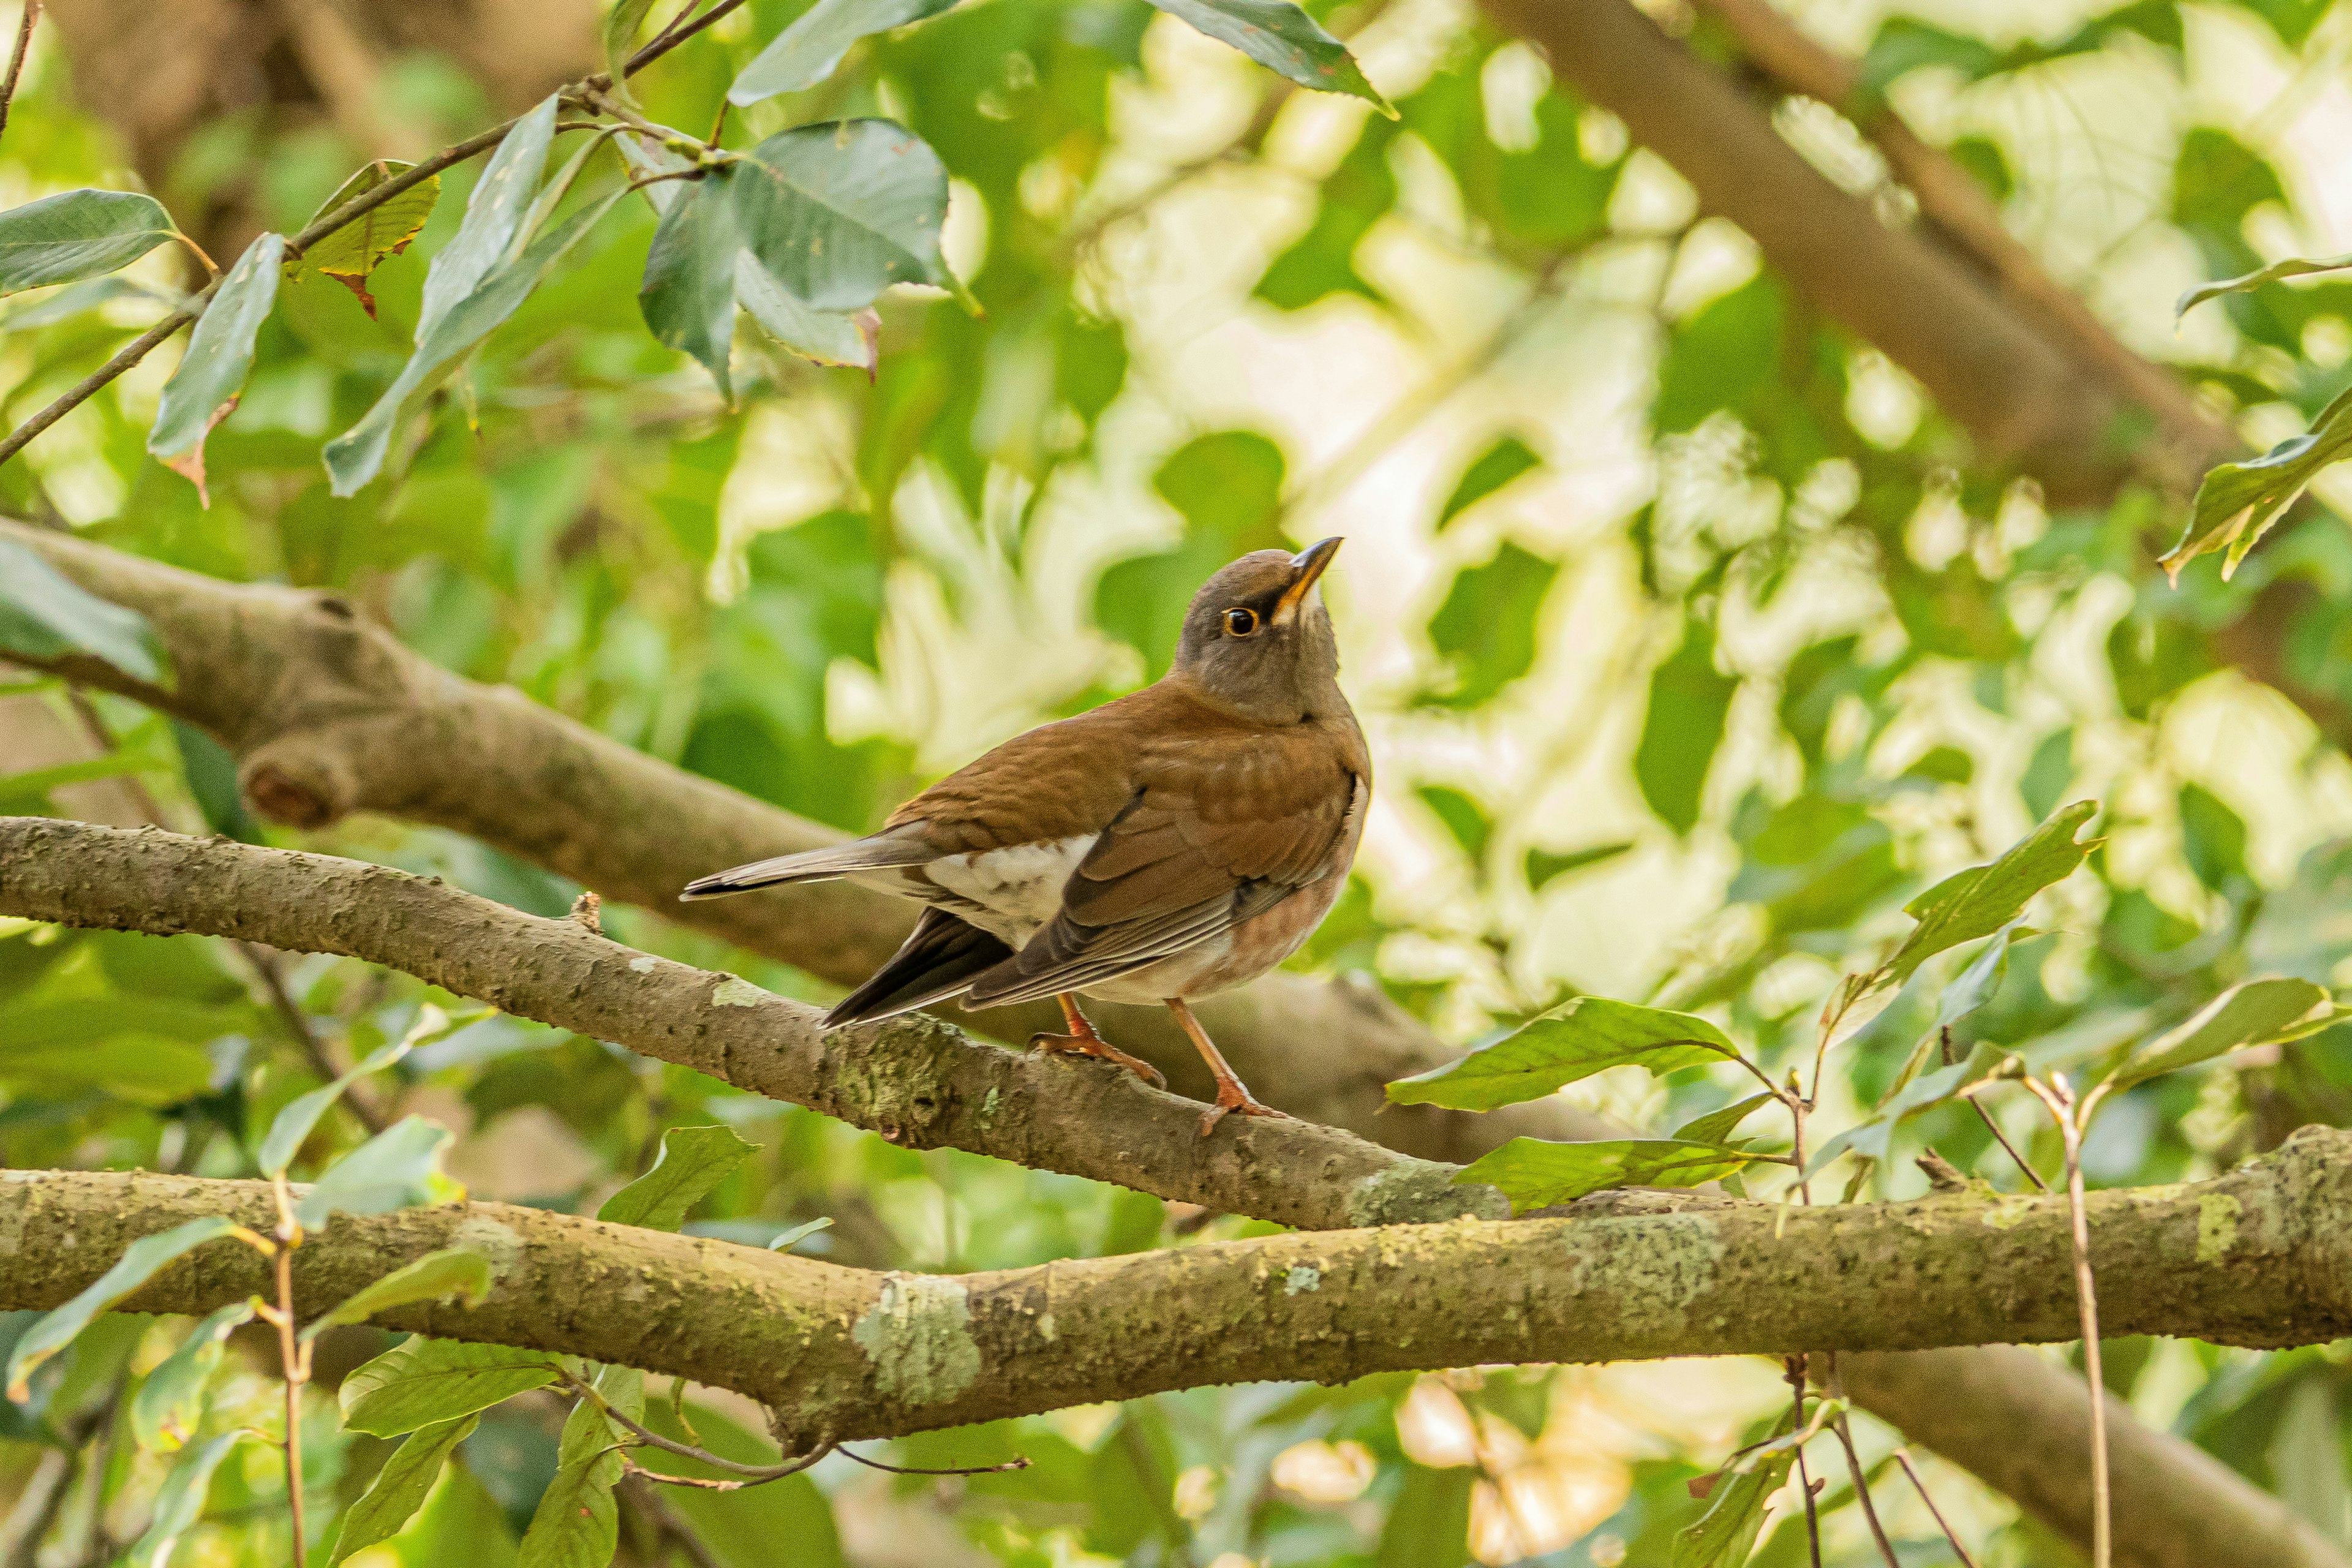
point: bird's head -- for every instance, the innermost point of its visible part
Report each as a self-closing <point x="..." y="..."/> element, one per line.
<point x="1258" y="640"/>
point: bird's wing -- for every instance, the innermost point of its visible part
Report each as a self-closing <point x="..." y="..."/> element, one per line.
<point x="1223" y="825"/>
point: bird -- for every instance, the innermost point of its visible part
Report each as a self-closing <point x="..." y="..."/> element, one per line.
<point x="1166" y="846"/>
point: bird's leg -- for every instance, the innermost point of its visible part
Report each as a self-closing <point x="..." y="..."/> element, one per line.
<point x="1232" y="1093"/>
<point x="1082" y="1041"/>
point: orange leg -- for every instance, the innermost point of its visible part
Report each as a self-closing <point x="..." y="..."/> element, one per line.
<point x="1082" y="1041"/>
<point x="1232" y="1093"/>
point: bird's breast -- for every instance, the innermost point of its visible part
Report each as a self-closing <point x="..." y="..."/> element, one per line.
<point x="1010" y="892"/>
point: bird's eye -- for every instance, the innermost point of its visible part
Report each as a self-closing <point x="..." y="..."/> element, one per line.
<point x="1240" y="623"/>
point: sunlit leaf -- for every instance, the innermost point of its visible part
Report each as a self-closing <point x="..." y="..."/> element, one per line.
<point x="2237" y="503"/>
<point x="435" y="1277"/>
<point x="1717" y="1126"/>
<point x="1534" y="1172"/>
<point x="807" y="51"/>
<point x="400" y="1488"/>
<point x="2256" y="1012"/>
<point x="75" y="235"/>
<point x="693" y="1161"/>
<point x="180" y="1501"/>
<point x="170" y="1399"/>
<point x="398" y="1167"/>
<point x="140" y="1262"/>
<point x="786" y="1240"/>
<point x="351" y="254"/>
<point x="2293" y="266"/>
<point x="1283" y="38"/>
<point x="421" y="1381"/>
<point x="45" y="615"/>
<point x="1981" y="899"/>
<point x="1574" y="1040"/>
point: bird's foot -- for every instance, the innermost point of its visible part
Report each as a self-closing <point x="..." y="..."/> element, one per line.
<point x="1233" y="1095"/>
<point x="1087" y="1043"/>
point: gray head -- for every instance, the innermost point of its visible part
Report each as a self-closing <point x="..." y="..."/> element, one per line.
<point x="1258" y="640"/>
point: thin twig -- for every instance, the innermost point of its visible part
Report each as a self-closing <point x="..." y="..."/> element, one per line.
<point x="1994" y="1127"/>
<point x="294" y="1358"/>
<point x="671" y="39"/>
<point x="304" y="1029"/>
<point x="669" y="1525"/>
<point x="1018" y="1462"/>
<point x="86" y="387"/>
<point x="1853" y="1467"/>
<point x="1796" y="1381"/>
<point x="1902" y="1457"/>
<point x="17" y="59"/>
<point x="2071" y="1116"/>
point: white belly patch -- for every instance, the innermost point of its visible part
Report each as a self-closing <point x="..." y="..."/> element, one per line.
<point x="1010" y="893"/>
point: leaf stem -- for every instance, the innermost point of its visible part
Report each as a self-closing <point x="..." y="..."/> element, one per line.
<point x="17" y="59"/>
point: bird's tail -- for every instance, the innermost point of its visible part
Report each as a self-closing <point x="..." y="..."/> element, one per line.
<point x="936" y="962"/>
<point x="882" y="852"/>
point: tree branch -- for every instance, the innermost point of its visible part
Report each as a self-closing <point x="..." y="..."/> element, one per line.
<point x="333" y="715"/>
<point x="845" y="1354"/>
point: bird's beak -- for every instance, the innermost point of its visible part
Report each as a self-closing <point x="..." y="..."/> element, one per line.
<point x="1306" y="566"/>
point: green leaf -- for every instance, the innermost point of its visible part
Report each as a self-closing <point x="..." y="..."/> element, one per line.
<point x="400" y="1488"/>
<point x="622" y="25"/>
<point x="1501" y="463"/>
<point x="1542" y="865"/>
<point x="852" y="339"/>
<point x="807" y="52"/>
<point x="493" y="222"/>
<point x="1488" y="627"/>
<point x="356" y="456"/>
<point x="1721" y="356"/>
<point x="140" y="1262"/>
<point x="1574" y="1040"/>
<point x="2237" y="503"/>
<point x="171" y="1400"/>
<point x="75" y="235"/>
<point x="786" y="1240"/>
<point x="2048" y="772"/>
<point x="398" y="1167"/>
<point x="1717" y="1126"/>
<point x="45" y="615"/>
<point x="212" y="373"/>
<point x="435" y="1277"/>
<point x="351" y="254"/>
<point x="1690" y="704"/>
<point x="838" y="213"/>
<point x="1283" y="38"/>
<point x="1725" y="1534"/>
<point x="2255" y="1012"/>
<point x="1981" y="899"/>
<point x="1534" y="1172"/>
<point x="577" y="1524"/>
<point x="2212" y="836"/>
<point x="2293" y="266"/>
<point x="421" y="1381"/>
<point x="688" y="295"/>
<point x="290" y="1128"/>
<point x="1871" y="1136"/>
<point x="1463" y="818"/>
<point x="180" y="1501"/>
<point x="693" y="1161"/>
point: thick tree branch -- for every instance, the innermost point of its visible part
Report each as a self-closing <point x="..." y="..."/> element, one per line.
<point x="2258" y="1257"/>
<point x="914" y="1080"/>
<point x="333" y="715"/>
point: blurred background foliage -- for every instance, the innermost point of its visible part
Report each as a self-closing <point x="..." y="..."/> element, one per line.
<point x="1690" y="635"/>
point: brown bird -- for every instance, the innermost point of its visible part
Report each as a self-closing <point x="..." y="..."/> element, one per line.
<point x="1164" y="847"/>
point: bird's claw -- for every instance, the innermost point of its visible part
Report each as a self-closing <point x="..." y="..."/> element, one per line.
<point x="1230" y="1098"/>
<point x="1091" y="1045"/>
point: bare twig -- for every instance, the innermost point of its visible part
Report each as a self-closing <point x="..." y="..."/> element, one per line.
<point x="1902" y="1457"/>
<point x="669" y="1525"/>
<point x="2072" y="1117"/>
<point x="17" y="59"/>
<point x="81" y="391"/>
<point x="1795" y="1377"/>
<point x="1018" y="1462"/>
<point x="1994" y="1127"/>
<point x="293" y="1355"/>
<point x="1853" y="1467"/>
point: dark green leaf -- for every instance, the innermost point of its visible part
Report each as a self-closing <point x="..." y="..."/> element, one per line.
<point x="400" y="1488"/>
<point x="170" y="1399"/>
<point x="45" y="615"/>
<point x="1723" y="353"/>
<point x="1722" y="1536"/>
<point x="421" y="1381"/>
<point x="75" y="235"/>
<point x="1717" y="1126"/>
<point x="1501" y="463"/>
<point x="693" y="1161"/>
<point x="1283" y="38"/>
<point x="398" y="1167"/>
<point x="2048" y="772"/>
<point x="622" y="25"/>
<point x="578" y="1523"/>
<point x="1871" y="1136"/>
<point x="1574" y="1040"/>
<point x="806" y="52"/>
<point x="435" y="1277"/>
<point x="1429" y="1524"/>
<point x="690" y="292"/>
<point x="140" y="1262"/>
<point x="290" y="1128"/>
<point x="180" y="1501"/>
<point x="1542" y="865"/>
<point x="350" y="255"/>
<point x="2237" y="503"/>
<point x="2212" y="836"/>
<point x="1488" y="627"/>
<point x="1534" y="1173"/>
<point x="1228" y="485"/>
<point x="1463" y="818"/>
<point x="211" y="376"/>
<point x="838" y="213"/>
<point x="824" y="337"/>
<point x="495" y="212"/>
<point x="2256" y="1012"/>
<point x="1690" y="703"/>
<point x="1981" y="899"/>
